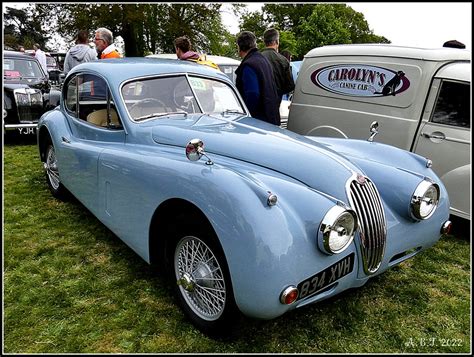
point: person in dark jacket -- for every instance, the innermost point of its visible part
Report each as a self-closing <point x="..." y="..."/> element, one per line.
<point x="281" y="66"/>
<point x="80" y="53"/>
<point x="255" y="81"/>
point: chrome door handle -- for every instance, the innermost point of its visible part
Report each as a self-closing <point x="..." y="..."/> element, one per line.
<point x="433" y="136"/>
<point x="65" y="140"/>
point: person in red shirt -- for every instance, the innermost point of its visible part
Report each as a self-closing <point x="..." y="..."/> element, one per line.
<point x="104" y="44"/>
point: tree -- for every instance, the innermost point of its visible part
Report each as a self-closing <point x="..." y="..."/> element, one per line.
<point x="22" y="28"/>
<point x="311" y="25"/>
<point x="145" y="28"/>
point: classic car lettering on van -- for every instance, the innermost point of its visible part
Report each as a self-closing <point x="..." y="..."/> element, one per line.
<point x="360" y="80"/>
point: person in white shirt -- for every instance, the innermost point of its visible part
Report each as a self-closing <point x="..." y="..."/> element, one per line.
<point x="41" y="57"/>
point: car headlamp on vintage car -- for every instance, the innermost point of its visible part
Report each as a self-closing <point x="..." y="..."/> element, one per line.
<point x="28" y="96"/>
<point x="424" y="200"/>
<point x="337" y="230"/>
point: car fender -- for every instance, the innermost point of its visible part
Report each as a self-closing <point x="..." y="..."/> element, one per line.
<point x="264" y="238"/>
<point x="254" y="236"/>
<point x="457" y="183"/>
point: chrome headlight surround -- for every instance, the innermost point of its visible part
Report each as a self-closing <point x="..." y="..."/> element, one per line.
<point x="337" y="230"/>
<point x="28" y="96"/>
<point x="424" y="200"/>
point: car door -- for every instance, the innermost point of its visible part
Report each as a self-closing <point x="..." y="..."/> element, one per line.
<point x="95" y="125"/>
<point x="445" y="138"/>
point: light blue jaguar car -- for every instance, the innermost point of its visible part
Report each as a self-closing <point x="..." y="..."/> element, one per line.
<point x="242" y="215"/>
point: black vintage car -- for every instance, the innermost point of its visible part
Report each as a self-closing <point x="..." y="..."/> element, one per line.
<point x="27" y="93"/>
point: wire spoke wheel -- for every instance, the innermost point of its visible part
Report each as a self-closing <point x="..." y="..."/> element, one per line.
<point x="200" y="278"/>
<point x="52" y="168"/>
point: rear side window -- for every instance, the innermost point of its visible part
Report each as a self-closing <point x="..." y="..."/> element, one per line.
<point x="453" y="105"/>
<point x="88" y="98"/>
<point x="71" y="96"/>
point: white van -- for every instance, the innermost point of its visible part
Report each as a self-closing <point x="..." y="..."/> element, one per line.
<point x="419" y="97"/>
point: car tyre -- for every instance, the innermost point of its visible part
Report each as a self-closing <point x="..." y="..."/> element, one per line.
<point x="202" y="283"/>
<point x="52" y="174"/>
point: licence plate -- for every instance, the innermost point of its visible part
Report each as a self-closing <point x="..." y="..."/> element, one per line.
<point x="27" y="131"/>
<point x="324" y="278"/>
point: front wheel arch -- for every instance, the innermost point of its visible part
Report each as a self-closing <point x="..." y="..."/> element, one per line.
<point x="165" y="224"/>
<point x="44" y="138"/>
<point x="174" y="220"/>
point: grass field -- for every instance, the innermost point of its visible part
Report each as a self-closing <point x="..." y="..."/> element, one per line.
<point x="71" y="286"/>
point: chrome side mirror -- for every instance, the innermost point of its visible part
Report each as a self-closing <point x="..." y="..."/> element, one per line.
<point x="195" y="150"/>
<point x="373" y="130"/>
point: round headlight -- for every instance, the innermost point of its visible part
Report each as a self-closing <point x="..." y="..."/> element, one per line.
<point x="337" y="230"/>
<point x="424" y="200"/>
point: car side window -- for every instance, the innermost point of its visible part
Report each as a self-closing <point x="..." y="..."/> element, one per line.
<point x="71" y="96"/>
<point x="96" y="105"/>
<point x="453" y="105"/>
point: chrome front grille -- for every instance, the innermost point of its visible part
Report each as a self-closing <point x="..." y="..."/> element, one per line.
<point x="365" y="200"/>
<point x="29" y="104"/>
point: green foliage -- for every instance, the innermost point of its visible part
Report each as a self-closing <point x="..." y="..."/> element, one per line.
<point x="152" y="27"/>
<point x="71" y="286"/>
<point x="22" y="28"/>
<point x="321" y="28"/>
<point x="312" y="25"/>
<point x="145" y="28"/>
<point x="288" y="42"/>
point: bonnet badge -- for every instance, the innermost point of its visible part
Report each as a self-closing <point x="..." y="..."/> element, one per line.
<point x="361" y="179"/>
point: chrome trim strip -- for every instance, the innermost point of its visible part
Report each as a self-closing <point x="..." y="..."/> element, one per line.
<point x="18" y="126"/>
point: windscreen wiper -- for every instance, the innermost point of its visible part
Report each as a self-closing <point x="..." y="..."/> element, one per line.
<point x="156" y="115"/>
<point x="232" y="111"/>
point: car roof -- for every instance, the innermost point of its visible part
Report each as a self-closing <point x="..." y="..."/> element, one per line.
<point x="17" y="54"/>
<point x="433" y="54"/>
<point x="456" y="71"/>
<point x="219" y="60"/>
<point x="121" y="69"/>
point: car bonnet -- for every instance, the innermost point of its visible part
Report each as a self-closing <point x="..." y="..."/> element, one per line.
<point x="256" y="142"/>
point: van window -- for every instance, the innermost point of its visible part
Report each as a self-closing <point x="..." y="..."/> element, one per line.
<point x="453" y="105"/>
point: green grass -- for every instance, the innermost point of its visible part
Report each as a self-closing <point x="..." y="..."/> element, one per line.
<point x="70" y="285"/>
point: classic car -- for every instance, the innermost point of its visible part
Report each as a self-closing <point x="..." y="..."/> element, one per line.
<point x="55" y="73"/>
<point x="27" y="93"/>
<point x="242" y="215"/>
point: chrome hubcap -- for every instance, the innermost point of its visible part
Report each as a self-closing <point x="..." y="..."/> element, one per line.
<point x="52" y="168"/>
<point x="200" y="278"/>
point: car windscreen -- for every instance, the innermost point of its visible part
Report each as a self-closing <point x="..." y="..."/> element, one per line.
<point x="50" y="61"/>
<point x="14" y="68"/>
<point x="155" y="97"/>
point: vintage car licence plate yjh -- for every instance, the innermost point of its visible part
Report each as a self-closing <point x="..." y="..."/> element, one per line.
<point x="324" y="278"/>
